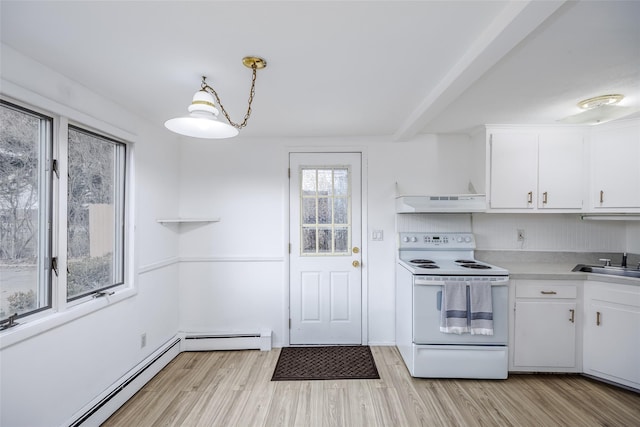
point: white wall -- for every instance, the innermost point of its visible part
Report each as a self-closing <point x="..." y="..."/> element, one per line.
<point x="233" y="274"/>
<point x="49" y="377"/>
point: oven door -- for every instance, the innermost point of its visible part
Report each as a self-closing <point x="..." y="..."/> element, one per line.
<point x="427" y="297"/>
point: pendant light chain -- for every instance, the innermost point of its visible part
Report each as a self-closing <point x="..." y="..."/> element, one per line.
<point x="252" y="92"/>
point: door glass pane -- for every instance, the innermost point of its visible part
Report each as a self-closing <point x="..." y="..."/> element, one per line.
<point x="341" y="182"/>
<point x="309" y="211"/>
<point x="309" y="182"/>
<point x="325" y="211"/>
<point x="340" y="210"/>
<point x="342" y="239"/>
<point x="325" y="182"/>
<point x="309" y="240"/>
<point x="324" y="240"/>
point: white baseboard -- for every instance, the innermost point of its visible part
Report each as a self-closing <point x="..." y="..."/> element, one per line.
<point x="107" y="403"/>
<point x="381" y="343"/>
<point x="227" y="341"/>
<point x="102" y="407"/>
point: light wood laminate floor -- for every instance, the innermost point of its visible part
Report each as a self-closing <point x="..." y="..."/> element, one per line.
<point x="234" y="388"/>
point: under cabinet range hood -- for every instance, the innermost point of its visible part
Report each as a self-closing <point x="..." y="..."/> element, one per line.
<point x="454" y="203"/>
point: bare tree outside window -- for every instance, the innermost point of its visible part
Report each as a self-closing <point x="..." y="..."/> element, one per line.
<point x="25" y="144"/>
<point x="95" y="213"/>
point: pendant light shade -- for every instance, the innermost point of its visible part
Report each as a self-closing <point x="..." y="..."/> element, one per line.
<point x="202" y="121"/>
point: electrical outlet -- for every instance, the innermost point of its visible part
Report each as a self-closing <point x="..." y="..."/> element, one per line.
<point x="520" y="235"/>
<point x="143" y="340"/>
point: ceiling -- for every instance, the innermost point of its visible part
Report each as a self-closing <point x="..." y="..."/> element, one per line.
<point x="341" y="68"/>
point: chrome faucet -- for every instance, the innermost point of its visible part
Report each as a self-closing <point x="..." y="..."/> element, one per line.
<point x="607" y="262"/>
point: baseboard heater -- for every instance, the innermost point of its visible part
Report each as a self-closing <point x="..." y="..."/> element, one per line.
<point x="228" y="341"/>
<point x="99" y="411"/>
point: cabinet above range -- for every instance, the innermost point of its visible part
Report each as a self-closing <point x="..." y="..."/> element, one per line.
<point x="536" y="169"/>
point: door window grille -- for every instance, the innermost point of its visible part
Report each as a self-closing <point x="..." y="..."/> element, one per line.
<point x="325" y="211"/>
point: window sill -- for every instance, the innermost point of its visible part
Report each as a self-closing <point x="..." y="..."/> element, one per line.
<point x="33" y="327"/>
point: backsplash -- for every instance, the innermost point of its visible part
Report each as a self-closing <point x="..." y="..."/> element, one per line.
<point x="548" y="232"/>
<point x="540" y="257"/>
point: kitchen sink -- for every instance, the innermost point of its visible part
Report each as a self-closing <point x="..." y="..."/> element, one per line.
<point x="610" y="270"/>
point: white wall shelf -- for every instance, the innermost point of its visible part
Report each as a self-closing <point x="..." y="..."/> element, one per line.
<point x="186" y="220"/>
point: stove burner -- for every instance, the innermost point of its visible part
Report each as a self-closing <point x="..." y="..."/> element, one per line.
<point x="465" y="261"/>
<point x="476" y="266"/>
<point x="421" y="261"/>
<point x="427" y="266"/>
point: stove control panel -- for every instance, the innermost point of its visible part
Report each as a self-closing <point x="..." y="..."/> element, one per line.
<point x="437" y="241"/>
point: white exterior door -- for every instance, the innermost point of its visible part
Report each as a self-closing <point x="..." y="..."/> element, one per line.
<point x="325" y="297"/>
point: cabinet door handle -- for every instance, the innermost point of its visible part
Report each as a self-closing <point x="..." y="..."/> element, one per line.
<point x="572" y="319"/>
<point x="601" y="196"/>
<point x="530" y="197"/>
<point x="548" y="292"/>
<point x="544" y="198"/>
<point x="598" y="318"/>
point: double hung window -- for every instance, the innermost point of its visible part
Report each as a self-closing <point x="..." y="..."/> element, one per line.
<point x="37" y="224"/>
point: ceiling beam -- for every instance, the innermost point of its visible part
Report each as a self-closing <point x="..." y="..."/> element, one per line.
<point x="514" y="24"/>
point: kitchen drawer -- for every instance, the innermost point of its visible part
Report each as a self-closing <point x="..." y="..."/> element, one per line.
<point x="546" y="289"/>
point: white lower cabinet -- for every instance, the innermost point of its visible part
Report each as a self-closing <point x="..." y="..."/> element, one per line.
<point x="546" y="325"/>
<point x="612" y="332"/>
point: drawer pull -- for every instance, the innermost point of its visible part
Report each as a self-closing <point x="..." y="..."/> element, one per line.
<point x="598" y="318"/>
<point x="544" y="198"/>
<point x="530" y="197"/>
<point x="548" y="292"/>
<point x="572" y="319"/>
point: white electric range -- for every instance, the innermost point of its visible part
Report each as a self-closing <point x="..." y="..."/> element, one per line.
<point x="425" y="262"/>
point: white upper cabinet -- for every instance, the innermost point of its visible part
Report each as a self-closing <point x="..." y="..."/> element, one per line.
<point x="536" y="170"/>
<point x="561" y="169"/>
<point x="615" y="160"/>
<point x="514" y="171"/>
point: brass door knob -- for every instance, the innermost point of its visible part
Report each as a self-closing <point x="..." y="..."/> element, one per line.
<point x="356" y="263"/>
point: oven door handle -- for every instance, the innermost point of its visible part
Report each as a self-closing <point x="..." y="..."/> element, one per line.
<point x="427" y="282"/>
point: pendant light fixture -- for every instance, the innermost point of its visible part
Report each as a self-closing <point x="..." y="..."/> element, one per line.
<point x="202" y="121"/>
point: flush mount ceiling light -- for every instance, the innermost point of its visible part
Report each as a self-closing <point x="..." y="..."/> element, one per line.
<point x="202" y="121"/>
<point x="599" y="101"/>
<point x="600" y="109"/>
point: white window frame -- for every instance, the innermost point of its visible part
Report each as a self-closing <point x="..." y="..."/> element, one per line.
<point x="61" y="310"/>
